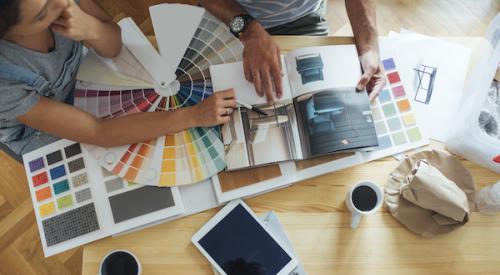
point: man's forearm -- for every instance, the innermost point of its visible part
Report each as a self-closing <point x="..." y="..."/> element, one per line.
<point x="362" y="15"/>
<point x="223" y="9"/>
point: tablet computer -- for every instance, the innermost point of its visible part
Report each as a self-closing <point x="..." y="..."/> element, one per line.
<point x="235" y="242"/>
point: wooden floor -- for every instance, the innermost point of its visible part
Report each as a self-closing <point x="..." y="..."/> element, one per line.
<point x="20" y="249"/>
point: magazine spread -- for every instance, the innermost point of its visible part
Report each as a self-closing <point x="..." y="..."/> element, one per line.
<point x="319" y="113"/>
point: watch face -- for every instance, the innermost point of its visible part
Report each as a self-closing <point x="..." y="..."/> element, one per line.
<point x="237" y="24"/>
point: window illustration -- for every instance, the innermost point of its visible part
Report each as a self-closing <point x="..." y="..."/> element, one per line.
<point x="424" y="81"/>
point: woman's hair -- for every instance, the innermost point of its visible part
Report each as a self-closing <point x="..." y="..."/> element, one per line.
<point x="9" y="15"/>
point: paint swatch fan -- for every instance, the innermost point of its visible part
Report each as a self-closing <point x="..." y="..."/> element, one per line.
<point x="141" y="80"/>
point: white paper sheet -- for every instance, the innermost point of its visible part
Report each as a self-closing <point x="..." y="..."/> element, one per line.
<point x="451" y="61"/>
<point x="227" y="76"/>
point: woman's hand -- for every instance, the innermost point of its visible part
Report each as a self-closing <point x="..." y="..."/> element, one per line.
<point x="76" y="24"/>
<point x="215" y="110"/>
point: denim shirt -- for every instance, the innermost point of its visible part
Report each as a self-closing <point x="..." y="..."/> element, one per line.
<point x="18" y="137"/>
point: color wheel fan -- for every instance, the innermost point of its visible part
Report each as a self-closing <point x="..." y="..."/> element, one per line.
<point x="141" y="80"/>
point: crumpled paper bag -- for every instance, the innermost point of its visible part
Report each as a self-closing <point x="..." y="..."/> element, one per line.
<point x="430" y="193"/>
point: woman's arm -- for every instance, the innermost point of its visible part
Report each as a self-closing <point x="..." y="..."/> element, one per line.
<point x="88" y="23"/>
<point x="69" y="122"/>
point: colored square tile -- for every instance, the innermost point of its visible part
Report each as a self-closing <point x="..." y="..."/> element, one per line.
<point x="60" y="187"/>
<point x="57" y="172"/>
<point x="76" y="165"/>
<point x="168" y="165"/>
<point x="114" y="184"/>
<point x="73" y="150"/>
<point x="376" y="114"/>
<point x="384" y="96"/>
<point x="167" y="179"/>
<point x="398" y="91"/>
<point x="131" y="184"/>
<point x="414" y="134"/>
<point x="36" y="165"/>
<point x="54" y="157"/>
<point x="65" y="201"/>
<point x="43" y="194"/>
<point x="389" y="64"/>
<point x="80" y="180"/>
<point x="409" y="120"/>
<point x="404" y="105"/>
<point x="40" y="179"/>
<point x="384" y="142"/>
<point x="169" y="153"/>
<point x="389" y="110"/>
<point x="399" y="138"/>
<point x="380" y="128"/>
<point x="393" y="77"/>
<point x="394" y="124"/>
<point x="83" y="195"/>
<point x="47" y="209"/>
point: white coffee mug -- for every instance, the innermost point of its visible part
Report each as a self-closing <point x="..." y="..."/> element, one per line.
<point x="358" y="213"/>
<point x="139" y="268"/>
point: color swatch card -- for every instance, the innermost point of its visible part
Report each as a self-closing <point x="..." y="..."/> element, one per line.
<point x="395" y="121"/>
<point x="77" y="202"/>
<point x="176" y="159"/>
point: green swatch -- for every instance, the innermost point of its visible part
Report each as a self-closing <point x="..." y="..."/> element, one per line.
<point x="65" y="201"/>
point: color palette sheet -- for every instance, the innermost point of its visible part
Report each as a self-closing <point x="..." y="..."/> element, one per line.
<point x="76" y="201"/>
<point x="176" y="159"/>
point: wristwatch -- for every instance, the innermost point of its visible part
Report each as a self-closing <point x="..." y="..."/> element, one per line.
<point x="239" y="23"/>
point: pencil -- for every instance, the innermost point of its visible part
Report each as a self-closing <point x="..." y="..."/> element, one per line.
<point x="250" y="107"/>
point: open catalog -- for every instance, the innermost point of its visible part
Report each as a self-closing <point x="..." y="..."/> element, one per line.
<point x="319" y="113"/>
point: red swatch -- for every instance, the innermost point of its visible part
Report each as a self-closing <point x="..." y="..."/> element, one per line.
<point x="497" y="159"/>
<point x="40" y="179"/>
<point x="393" y="77"/>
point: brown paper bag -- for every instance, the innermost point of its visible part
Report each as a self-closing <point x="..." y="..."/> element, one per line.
<point x="428" y="188"/>
<point x="418" y="219"/>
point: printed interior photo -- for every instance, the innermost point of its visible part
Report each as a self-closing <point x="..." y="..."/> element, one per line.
<point x="252" y="139"/>
<point x="335" y="120"/>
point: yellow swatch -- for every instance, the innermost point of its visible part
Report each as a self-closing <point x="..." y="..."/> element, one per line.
<point x="47" y="209"/>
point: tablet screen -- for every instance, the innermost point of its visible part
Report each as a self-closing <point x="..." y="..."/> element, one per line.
<point x="239" y="245"/>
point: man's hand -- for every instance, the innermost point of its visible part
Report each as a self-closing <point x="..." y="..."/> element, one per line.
<point x="262" y="61"/>
<point x="373" y="78"/>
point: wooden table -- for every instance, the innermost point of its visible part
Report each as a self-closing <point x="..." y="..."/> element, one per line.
<point x="317" y="222"/>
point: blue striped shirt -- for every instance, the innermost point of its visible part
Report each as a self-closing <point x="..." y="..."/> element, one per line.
<point x="278" y="12"/>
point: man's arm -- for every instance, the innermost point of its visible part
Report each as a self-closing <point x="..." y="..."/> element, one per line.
<point x="362" y="15"/>
<point x="261" y="56"/>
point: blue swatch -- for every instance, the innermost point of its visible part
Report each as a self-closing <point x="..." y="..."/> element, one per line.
<point x="389" y="64"/>
<point x="57" y="172"/>
<point x="384" y="142"/>
<point x="384" y="96"/>
<point x="394" y="124"/>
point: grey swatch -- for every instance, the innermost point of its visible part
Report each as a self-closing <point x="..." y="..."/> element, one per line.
<point x="71" y="224"/>
<point x="80" y="180"/>
<point x="114" y="184"/>
<point x="140" y="201"/>
<point x="83" y="195"/>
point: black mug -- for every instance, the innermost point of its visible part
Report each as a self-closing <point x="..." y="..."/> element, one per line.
<point x="120" y="262"/>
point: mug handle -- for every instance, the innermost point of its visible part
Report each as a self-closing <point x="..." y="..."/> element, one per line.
<point x="355" y="219"/>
